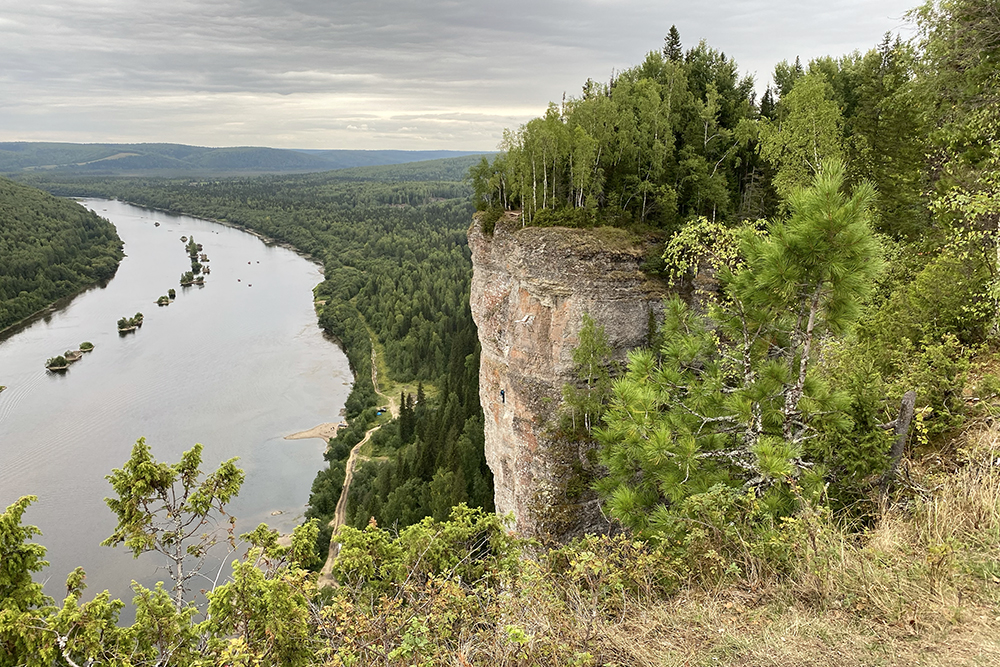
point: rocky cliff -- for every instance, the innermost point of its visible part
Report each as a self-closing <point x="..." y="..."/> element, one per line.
<point x="530" y="289"/>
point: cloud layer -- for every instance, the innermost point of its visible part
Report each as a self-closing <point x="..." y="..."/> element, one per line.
<point x="364" y="74"/>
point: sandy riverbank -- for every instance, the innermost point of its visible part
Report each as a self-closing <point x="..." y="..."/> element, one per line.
<point x="324" y="431"/>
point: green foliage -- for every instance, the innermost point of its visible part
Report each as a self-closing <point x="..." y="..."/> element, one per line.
<point x="663" y="140"/>
<point x="885" y="126"/>
<point x="19" y="559"/>
<point x="584" y="401"/>
<point x="921" y="334"/>
<point x="50" y="249"/>
<point x="807" y="132"/>
<point x="696" y="254"/>
<point x="170" y="509"/>
<point x="439" y="465"/>
<point x="127" y="323"/>
<point x="470" y="544"/>
<point x="462" y="591"/>
<point x="734" y="401"/>
<point x="855" y="456"/>
<point x="57" y="362"/>
<point x="959" y="77"/>
<point x="263" y="611"/>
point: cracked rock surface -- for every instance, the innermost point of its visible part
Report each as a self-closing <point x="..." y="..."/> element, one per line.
<point x="530" y="289"/>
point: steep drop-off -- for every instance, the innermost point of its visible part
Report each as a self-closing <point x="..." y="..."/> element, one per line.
<point x="530" y="289"/>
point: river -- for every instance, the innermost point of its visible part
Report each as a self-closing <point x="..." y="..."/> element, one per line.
<point x="235" y="365"/>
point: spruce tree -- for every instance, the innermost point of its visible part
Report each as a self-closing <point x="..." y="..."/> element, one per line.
<point x="672" y="45"/>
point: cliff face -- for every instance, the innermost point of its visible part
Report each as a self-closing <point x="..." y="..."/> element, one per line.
<point x="530" y="290"/>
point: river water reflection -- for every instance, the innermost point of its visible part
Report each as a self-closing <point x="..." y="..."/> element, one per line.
<point x="235" y="365"/>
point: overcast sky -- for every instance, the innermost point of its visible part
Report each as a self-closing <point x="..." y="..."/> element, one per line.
<point x="369" y="74"/>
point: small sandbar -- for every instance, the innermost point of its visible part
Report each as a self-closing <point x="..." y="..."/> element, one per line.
<point x="323" y="431"/>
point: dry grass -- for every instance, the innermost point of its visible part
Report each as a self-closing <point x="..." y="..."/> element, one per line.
<point x="920" y="588"/>
<point x="709" y="629"/>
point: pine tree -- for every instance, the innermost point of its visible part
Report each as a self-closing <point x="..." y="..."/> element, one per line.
<point x="734" y="399"/>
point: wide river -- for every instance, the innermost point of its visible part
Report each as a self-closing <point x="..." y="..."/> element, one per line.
<point x="235" y="365"/>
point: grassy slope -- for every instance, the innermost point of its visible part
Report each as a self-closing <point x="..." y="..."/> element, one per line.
<point x="920" y="588"/>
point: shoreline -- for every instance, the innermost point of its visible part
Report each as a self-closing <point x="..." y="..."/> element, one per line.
<point x="324" y="431"/>
<point x="62" y="302"/>
<point x="267" y="240"/>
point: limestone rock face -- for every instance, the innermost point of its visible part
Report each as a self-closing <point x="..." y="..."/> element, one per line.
<point x="530" y="289"/>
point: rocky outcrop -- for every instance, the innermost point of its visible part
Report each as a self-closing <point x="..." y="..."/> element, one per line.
<point x="530" y="289"/>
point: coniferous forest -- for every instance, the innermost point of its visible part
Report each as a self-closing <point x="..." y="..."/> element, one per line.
<point x="802" y="464"/>
<point x="51" y="248"/>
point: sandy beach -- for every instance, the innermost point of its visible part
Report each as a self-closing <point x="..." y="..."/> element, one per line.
<point x="323" y="431"/>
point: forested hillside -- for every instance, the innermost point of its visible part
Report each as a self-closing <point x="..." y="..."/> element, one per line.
<point x="803" y="466"/>
<point x="176" y="159"/>
<point x="50" y="248"/>
<point x="682" y="135"/>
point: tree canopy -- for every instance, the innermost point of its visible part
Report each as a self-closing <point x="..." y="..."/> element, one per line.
<point x="50" y="248"/>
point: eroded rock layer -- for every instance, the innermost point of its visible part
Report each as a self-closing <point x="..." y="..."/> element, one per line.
<point x="530" y="289"/>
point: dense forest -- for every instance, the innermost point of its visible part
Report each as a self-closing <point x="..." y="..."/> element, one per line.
<point x="803" y="464"/>
<point x="682" y="135"/>
<point x="51" y="248"/>
<point x="783" y="376"/>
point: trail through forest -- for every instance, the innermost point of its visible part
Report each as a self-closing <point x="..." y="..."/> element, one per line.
<point x="340" y="515"/>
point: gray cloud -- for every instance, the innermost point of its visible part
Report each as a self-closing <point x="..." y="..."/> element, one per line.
<point x="363" y="74"/>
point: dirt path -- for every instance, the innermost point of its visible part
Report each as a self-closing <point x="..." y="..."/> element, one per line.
<point x="340" y="515"/>
<point x="392" y="402"/>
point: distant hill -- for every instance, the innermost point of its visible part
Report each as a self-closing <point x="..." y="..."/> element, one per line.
<point x="179" y="159"/>
<point x="345" y="159"/>
<point x="447" y="169"/>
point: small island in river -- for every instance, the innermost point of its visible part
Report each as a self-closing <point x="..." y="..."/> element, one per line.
<point x="61" y="362"/>
<point x="127" y="324"/>
<point x="57" y="364"/>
